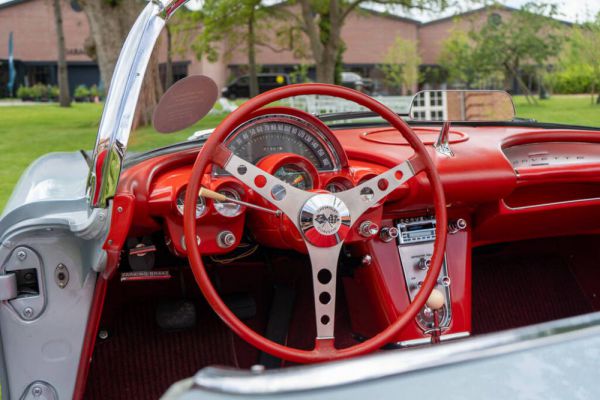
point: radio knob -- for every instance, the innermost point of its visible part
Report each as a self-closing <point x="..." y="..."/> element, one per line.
<point x="388" y="233"/>
<point x="424" y="263"/>
<point x="368" y="229"/>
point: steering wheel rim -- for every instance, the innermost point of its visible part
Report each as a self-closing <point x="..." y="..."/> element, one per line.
<point x="213" y="152"/>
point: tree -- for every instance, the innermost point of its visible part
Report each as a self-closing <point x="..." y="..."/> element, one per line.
<point x="585" y="47"/>
<point x="322" y="22"/>
<point x="530" y="37"/>
<point x="248" y="23"/>
<point x="110" y="22"/>
<point x="63" y="75"/>
<point x="401" y="65"/>
<point x="458" y="59"/>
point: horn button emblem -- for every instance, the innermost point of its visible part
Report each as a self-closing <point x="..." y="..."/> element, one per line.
<point x="324" y="220"/>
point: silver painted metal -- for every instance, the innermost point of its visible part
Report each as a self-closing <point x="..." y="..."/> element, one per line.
<point x="31" y="306"/>
<point x="40" y="391"/>
<point x="396" y="363"/>
<point x="124" y="91"/>
<point x="8" y="287"/>
<point x="61" y="275"/>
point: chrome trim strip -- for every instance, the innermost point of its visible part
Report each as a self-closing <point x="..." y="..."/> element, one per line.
<point x="121" y="102"/>
<point x="391" y="363"/>
<point x="427" y="340"/>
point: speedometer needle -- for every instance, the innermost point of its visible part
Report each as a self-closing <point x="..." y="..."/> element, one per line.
<point x="209" y="194"/>
<point x="298" y="179"/>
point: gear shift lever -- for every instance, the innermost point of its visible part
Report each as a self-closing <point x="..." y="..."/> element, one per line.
<point x="435" y="302"/>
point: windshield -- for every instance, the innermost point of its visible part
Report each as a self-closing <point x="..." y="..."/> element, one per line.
<point x="549" y="74"/>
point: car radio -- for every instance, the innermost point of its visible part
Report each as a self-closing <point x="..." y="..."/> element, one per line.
<point x="416" y="236"/>
<point x="416" y="230"/>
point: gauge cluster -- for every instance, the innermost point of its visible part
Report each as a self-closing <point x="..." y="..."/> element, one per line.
<point x="297" y="149"/>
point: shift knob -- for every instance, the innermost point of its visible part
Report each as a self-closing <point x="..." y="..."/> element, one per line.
<point x="436" y="300"/>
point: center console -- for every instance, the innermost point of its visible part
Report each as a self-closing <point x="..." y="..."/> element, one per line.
<point x="416" y="237"/>
<point x="381" y="290"/>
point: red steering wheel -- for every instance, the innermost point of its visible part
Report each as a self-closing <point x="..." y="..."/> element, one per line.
<point x="324" y="220"/>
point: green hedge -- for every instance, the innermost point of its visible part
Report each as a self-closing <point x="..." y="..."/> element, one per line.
<point x="571" y="81"/>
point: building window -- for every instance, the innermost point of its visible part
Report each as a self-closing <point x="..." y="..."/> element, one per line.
<point x="75" y="6"/>
<point x="495" y="19"/>
<point x="39" y="74"/>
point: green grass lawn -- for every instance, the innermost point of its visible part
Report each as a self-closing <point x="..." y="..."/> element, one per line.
<point x="27" y="132"/>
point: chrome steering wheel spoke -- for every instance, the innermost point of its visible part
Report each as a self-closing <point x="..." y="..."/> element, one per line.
<point x="324" y="261"/>
<point x="364" y="196"/>
<point x="282" y="195"/>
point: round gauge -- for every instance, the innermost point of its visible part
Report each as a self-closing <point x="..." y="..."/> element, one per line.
<point x="274" y="134"/>
<point x="200" y="205"/>
<point x="295" y="176"/>
<point x="337" y="185"/>
<point x="228" y="209"/>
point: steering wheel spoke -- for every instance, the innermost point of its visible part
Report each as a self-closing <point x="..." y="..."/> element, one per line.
<point x="367" y="194"/>
<point x="282" y="195"/>
<point x="324" y="261"/>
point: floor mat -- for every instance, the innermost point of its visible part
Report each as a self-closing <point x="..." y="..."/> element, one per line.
<point x="514" y="286"/>
<point x="141" y="361"/>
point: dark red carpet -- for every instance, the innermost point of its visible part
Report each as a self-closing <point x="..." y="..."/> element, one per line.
<point x="520" y="284"/>
<point x="140" y="361"/>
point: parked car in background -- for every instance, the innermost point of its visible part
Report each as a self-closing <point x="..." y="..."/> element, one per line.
<point x="241" y="86"/>
<point x="357" y="82"/>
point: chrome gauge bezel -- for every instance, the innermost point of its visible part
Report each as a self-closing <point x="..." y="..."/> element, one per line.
<point x="223" y="208"/>
<point x="180" y="204"/>
<point x="292" y="120"/>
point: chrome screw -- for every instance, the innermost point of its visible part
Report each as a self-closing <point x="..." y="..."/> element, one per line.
<point x="28" y="312"/>
<point x="21" y="255"/>
<point x="120" y="209"/>
<point x="37" y="391"/>
<point x="103" y="334"/>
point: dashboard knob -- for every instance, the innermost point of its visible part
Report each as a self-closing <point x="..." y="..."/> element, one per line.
<point x="424" y="263"/>
<point x="458" y="225"/>
<point x="388" y="233"/>
<point x="368" y="229"/>
<point x="225" y="239"/>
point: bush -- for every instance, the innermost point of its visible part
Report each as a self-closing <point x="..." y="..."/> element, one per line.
<point x="53" y="92"/>
<point x="571" y="80"/>
<point x="82" y="93"/>
<point x="24" y="93"/>
<point x="39" y="91"/>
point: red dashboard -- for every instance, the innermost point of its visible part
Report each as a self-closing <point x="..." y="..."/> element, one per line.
<point x="506" y="183"/>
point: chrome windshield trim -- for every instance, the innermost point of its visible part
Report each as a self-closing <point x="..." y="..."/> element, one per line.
<point x="124" y="91"/>
<point x="395" y="362"/>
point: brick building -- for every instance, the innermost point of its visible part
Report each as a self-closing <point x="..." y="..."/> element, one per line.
<point x="367" y="34"/>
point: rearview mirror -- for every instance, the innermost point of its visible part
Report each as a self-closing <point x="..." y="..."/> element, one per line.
<point x="462" y="105"/>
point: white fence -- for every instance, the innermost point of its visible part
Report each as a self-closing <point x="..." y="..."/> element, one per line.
<point x="326" y="104"/>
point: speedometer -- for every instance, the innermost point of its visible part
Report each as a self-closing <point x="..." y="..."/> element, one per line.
<point x="279" y="133"/>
